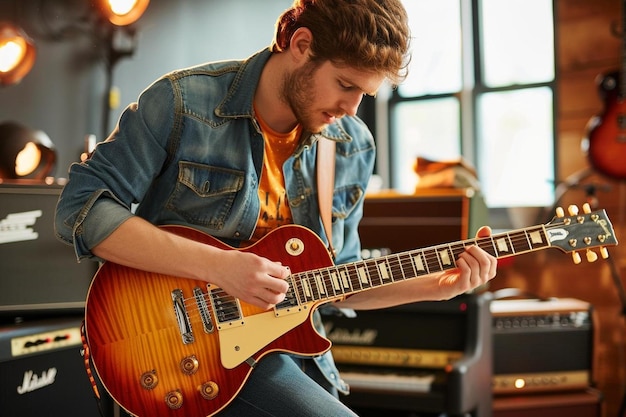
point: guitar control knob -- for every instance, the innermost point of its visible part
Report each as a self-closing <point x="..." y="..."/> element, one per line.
<point x="149" y="380"/>
<point x="209" y="390"/>
<point x="189" y="365"/>
<point x="174" y="399"/>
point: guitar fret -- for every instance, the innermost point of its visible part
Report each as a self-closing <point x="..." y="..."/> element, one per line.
<point x="364" y="280"/>
<point x="328" y="282"/>
<point x="319" y="284"/>
<point x="519" y="245"/>
<point x="394" y="268"/>
<point x="353" y="274"/>
<point x="334" y="277"/>
<point x="345" y="279"/>
<point x="538" y="238"/>
<point x="383" y="271"/>
<point x="432" y="260"/>
<point x="373" y="273"/>
<point x="456" y="251"/>
<point x="446" y="258"/>
<point x="488" y="245"/>
<point x="408" y="261"/>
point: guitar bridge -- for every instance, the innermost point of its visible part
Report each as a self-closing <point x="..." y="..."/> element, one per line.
<point x="184" y="326"/>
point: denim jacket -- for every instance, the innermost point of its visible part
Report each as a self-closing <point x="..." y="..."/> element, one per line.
<point x="190" y="152"/>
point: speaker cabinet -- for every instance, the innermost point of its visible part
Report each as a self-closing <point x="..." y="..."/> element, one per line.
<point x="42" y="370"/>
<point x="40" y="274"/>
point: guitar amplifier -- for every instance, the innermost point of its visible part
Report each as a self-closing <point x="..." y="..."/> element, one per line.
<point x="40" y="274"/>
<point x="541" y="345"/>
<point x="43" y="372"/>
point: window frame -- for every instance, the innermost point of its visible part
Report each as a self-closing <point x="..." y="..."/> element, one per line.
<point x="472" y="89"/>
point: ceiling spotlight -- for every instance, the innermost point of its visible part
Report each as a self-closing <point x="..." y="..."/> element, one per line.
<point x="123" y="12"/>
<point x="17" y="54"/>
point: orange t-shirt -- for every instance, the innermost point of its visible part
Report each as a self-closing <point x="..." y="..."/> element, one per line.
<point x="275" y="210"/>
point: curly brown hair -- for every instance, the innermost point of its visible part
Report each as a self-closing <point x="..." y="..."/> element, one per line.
<point x="372" y="35"/>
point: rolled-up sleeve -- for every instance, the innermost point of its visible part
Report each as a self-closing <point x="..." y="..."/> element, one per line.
<point x="101" y="191"/>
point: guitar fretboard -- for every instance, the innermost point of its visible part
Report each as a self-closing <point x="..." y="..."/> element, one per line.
<point x="337" y="281"/>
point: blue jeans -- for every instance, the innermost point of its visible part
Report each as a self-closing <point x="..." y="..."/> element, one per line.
<point x="279" y="387"/>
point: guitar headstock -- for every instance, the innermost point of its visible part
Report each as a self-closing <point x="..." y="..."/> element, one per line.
<point x="582" y="232"/>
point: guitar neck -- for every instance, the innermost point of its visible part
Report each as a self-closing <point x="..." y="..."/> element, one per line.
<point x="338" y="281"/>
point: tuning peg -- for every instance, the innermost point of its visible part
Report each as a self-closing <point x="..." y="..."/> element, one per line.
<point x="604" y="252"/>
<point x="576" y="257"/>
<point x="591" y="256"/>
<point x="586" y="208"/>
<point x="560" y="212"/>
<point x="572" y="210"/>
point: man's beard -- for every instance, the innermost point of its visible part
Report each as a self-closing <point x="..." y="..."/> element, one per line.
<point x="298" y="92"/>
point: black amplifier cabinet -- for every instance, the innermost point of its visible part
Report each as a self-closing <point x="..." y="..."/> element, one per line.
<point x="427" y="358"/>
<point x="43" y="372"/>
<point x="38" y="273"/>
<point x="542" y="345"/>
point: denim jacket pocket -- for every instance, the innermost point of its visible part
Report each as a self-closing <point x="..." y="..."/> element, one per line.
<point x="204" y="194"/>
<point x="345" y="199"/>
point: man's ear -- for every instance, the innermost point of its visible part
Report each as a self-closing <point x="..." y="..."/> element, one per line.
<point x="301" y="43"/>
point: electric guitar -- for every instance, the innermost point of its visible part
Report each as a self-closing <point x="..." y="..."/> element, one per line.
<point x="167" y="346"/>
<point x="605" y="143"/>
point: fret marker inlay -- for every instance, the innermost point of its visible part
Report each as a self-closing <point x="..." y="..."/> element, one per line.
<point x="419" y="263"/>
<point x="445" y="257"/>
<point x="535" y="238"/>
<point x="362" y="275"/>
<point x="382" y="269"/>
<point x="502" y="246"/>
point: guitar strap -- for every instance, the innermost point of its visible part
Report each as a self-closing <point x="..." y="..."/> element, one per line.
<point x="325" y="186"/>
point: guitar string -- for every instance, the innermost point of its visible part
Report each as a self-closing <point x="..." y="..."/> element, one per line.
<point x="395" y="262"/>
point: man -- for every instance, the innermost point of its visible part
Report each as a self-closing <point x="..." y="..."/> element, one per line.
<point x="230" y="148"/>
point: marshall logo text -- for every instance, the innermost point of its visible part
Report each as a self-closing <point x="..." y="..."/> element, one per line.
<point x="33" y="382"/>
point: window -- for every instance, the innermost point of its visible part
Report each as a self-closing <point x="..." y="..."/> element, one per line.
<point x="481" y="86"/>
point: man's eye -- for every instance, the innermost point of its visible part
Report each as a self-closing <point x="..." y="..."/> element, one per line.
<point x="345" y="86"/>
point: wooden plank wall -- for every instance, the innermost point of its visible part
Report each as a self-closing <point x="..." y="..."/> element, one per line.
<point x="587" y="46"/>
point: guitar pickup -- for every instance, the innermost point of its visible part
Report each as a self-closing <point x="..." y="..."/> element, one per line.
<point x="227" y="309"/>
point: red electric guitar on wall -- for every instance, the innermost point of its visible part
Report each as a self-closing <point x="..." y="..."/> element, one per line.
<point x="605" y="143"/>
<point x="172" y="347"/>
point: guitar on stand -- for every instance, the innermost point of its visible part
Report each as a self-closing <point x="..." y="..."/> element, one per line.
<point x="605" y="144"/>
